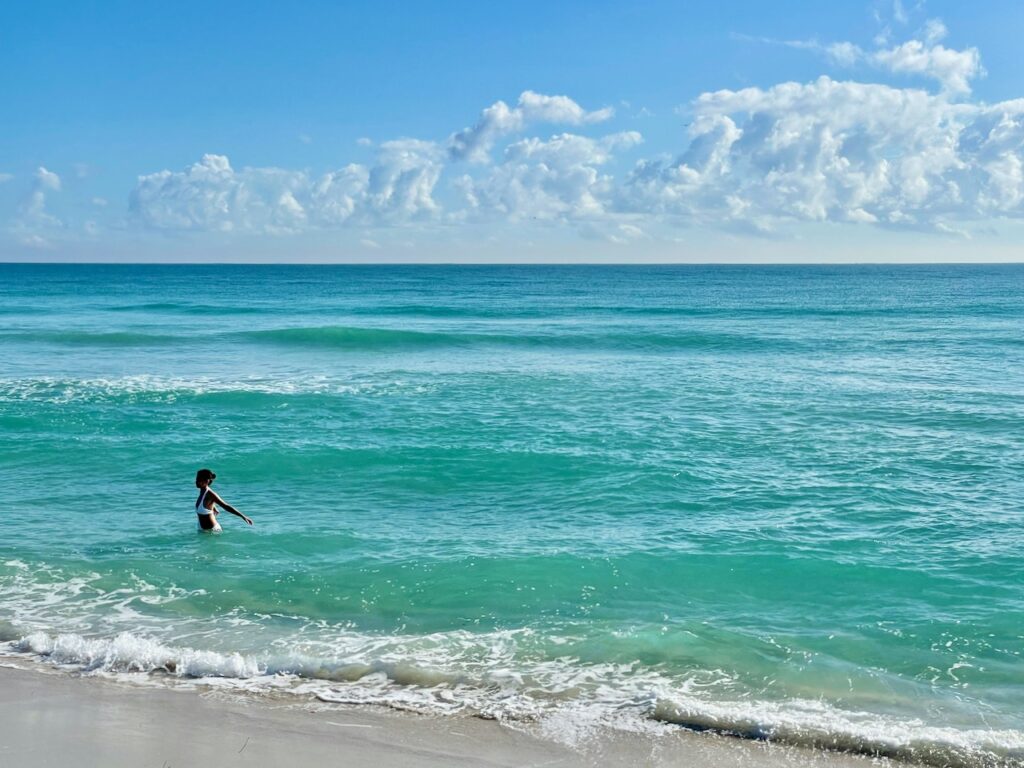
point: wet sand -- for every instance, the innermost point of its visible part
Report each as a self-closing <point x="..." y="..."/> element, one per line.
<point x="57" y="719"/>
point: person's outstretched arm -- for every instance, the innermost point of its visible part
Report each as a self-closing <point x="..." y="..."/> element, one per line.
<point x="224" y="505"/>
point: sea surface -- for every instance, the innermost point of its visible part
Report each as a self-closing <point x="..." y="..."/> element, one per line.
<point x="778" y="502"/>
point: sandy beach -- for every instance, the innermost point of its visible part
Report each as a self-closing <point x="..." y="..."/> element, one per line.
<point x="54" y="719"/>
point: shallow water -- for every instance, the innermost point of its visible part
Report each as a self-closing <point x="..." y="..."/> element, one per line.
<point x="783" y="502"/>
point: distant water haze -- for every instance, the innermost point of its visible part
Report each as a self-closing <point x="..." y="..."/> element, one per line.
<point x="778" y="502"/>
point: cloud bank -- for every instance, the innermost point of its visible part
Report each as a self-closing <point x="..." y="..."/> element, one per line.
<point x="212" y="196"/>
<point x="840" y="151"/>
<point x="754" y="160"/>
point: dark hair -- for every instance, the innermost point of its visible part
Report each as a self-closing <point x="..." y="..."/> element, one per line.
<point x="204" y="475"/>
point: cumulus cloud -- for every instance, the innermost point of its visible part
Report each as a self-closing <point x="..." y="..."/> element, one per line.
<point x="839" y="151"/>
<point x="845" y="54"/>
<point x="33" y="210"/>
<point x="925" y="57"/>
<point x="475" y="143"/>
<point x="34" y="223"/>
<point x="953" y="69"/>
<point x="398" y="188"/>
<point x="211" y="195"/>
<point x="755" y="160"/>
<point x="558" y="178"/>
<point x="47" y="180"/>
<point x="401" y="184"/>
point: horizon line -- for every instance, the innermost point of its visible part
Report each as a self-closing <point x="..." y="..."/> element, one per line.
<point x="514" y="263"/>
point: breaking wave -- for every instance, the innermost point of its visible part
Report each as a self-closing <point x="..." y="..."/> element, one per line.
<point x="549" y="694"/>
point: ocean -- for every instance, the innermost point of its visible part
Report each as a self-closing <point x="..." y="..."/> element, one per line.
<point x="779" y="502"/>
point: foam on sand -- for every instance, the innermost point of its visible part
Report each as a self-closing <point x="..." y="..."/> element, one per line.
<point x="552" y="699"/>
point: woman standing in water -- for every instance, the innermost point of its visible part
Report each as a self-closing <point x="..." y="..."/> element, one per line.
<point x="205" y="509"/>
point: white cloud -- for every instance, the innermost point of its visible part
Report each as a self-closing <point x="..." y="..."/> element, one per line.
<point x="934" y="31"/>
<point x="402" y="182"/>
<point x="5" y="177"/>
<point x="927" y="57"/>
<point x="339" y="194"/>
<point x="839" y="151"/>
<point x="211" y="195"/>
<point x="47" y="180"/>
<point x="398" y="188"/>
<point x="953" y="69"/>
<point x="757" y="160"/>
<point x="474" y="144"/>
<point x="34" y="220"/>
<point x="845" y="54"/>
<point x="546" y="180"/>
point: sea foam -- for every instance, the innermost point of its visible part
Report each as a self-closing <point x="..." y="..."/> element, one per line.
<point x="552" y="697"/>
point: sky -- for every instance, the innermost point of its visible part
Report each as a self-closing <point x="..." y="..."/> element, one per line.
<point x="883" y="130"/>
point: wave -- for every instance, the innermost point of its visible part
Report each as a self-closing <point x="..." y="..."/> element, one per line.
<point x="815" y="724"/>
<point x="744" y="312"/>
<point x="170" y="307"/>
<point x="23" y="310"/>
<point x="369" y="339"/>
<point x="130" y="653"/>
<point x="164" y="389"/>
<point x="565" y="698"/>
<point x="534" y="312"/>
<point x="343" y="337"/>
<point x="582" y="310"/>
<point x="92" y="339"/>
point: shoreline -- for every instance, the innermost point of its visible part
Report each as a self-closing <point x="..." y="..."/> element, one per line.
<point x="55" y="718"/>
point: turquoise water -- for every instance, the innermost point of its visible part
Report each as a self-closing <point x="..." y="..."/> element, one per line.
<point x="782" y="502"/>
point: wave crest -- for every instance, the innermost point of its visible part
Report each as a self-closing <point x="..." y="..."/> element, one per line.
<point x="369" y="339"/>
<point x="551" y="696"/>
<point x="92" y="338"/>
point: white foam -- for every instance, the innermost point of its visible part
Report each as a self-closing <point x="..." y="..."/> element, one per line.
<point x="165" y="389"/>
<point x="819" y="724"/>
<point x="561" y="699"/>
<point x="45" y="597"/>
<point x="510" y="675"/>
<point x="131" y="653"/>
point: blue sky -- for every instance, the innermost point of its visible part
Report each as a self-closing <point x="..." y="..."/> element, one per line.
<point x="467" y="131"/>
